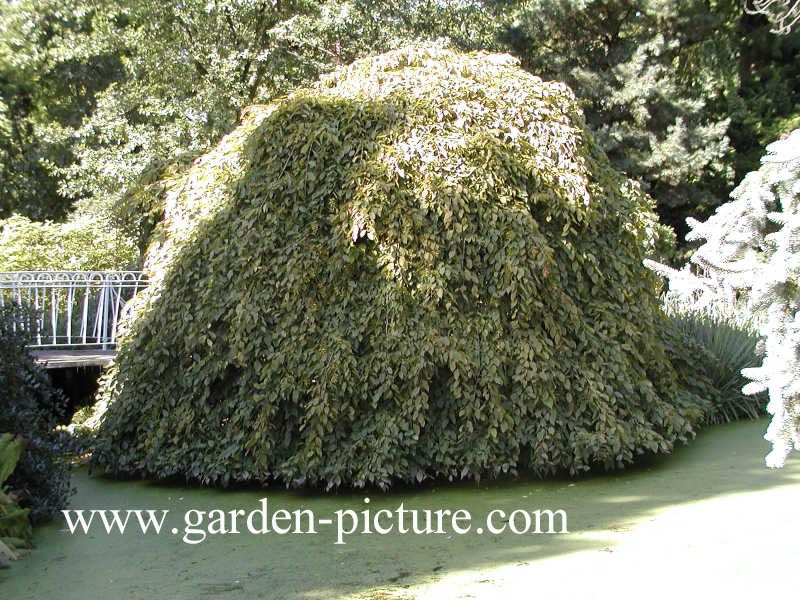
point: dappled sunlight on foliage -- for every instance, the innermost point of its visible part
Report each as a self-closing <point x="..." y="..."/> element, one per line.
<point x="420" y="267"/>
<point x="82" y="243"/>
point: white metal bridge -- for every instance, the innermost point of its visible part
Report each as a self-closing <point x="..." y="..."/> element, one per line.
<point x="75" y="311"/>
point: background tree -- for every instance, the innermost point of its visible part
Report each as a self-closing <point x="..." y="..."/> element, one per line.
<point x="666" y="86"/>
<point x="190" y="69"/>
<point x="49" y="80"/>
<point x="102" y="100"/>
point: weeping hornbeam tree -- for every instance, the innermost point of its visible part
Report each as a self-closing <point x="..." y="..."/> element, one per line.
<point x="423" y="266"/>
<point x="750" y="262"/>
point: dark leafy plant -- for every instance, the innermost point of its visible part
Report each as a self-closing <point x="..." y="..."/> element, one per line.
<point x="421" y="267"/>
<point x="30" y="407"/>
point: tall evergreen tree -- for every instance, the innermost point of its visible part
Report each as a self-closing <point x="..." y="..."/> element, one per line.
<point x="667" y="85"/>
<point x="751" y="258"/>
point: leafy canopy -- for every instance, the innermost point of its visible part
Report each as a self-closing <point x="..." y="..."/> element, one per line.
<point x="82" y="243"/>
<point x="102" y="99"/>
<point x="422" y="266"/>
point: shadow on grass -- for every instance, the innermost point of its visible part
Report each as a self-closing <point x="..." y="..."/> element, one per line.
<point x="722" y="461"/>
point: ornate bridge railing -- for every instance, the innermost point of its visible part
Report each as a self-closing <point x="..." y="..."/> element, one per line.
<point x="77" y="309"/>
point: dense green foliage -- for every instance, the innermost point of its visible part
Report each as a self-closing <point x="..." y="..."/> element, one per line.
<point x="679" y="93"/>
<point x="15" y="525"/>
<point x="421" y="267"/>
<point x="51" y="72"/>
<point x="100" y="99"/>
<point x="79" y="244"/>
<point x="31" y="408"/>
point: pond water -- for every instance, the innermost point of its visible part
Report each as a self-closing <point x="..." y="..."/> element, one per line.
<point x="711" y="508"/>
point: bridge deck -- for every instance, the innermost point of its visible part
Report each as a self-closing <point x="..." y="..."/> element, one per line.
<point x="64" y="359"/>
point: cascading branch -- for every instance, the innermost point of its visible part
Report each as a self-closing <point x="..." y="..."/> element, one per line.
<point x="420" y="267"/>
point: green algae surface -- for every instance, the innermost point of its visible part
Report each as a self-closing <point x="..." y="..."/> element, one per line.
<point x="711" y="512"/>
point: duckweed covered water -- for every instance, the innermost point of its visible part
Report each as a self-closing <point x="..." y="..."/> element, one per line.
<point x="698" y="509"/>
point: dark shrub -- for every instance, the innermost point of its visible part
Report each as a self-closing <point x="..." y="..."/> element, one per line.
<point x="31" y="408"/>
<point x="15" y="525"/>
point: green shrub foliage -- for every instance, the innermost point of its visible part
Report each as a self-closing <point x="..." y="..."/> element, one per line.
<point x="420" y="267"/>
<point x="31" y="408"/>
<point x="82" y="243"/>
<point x="15" y="526"/>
